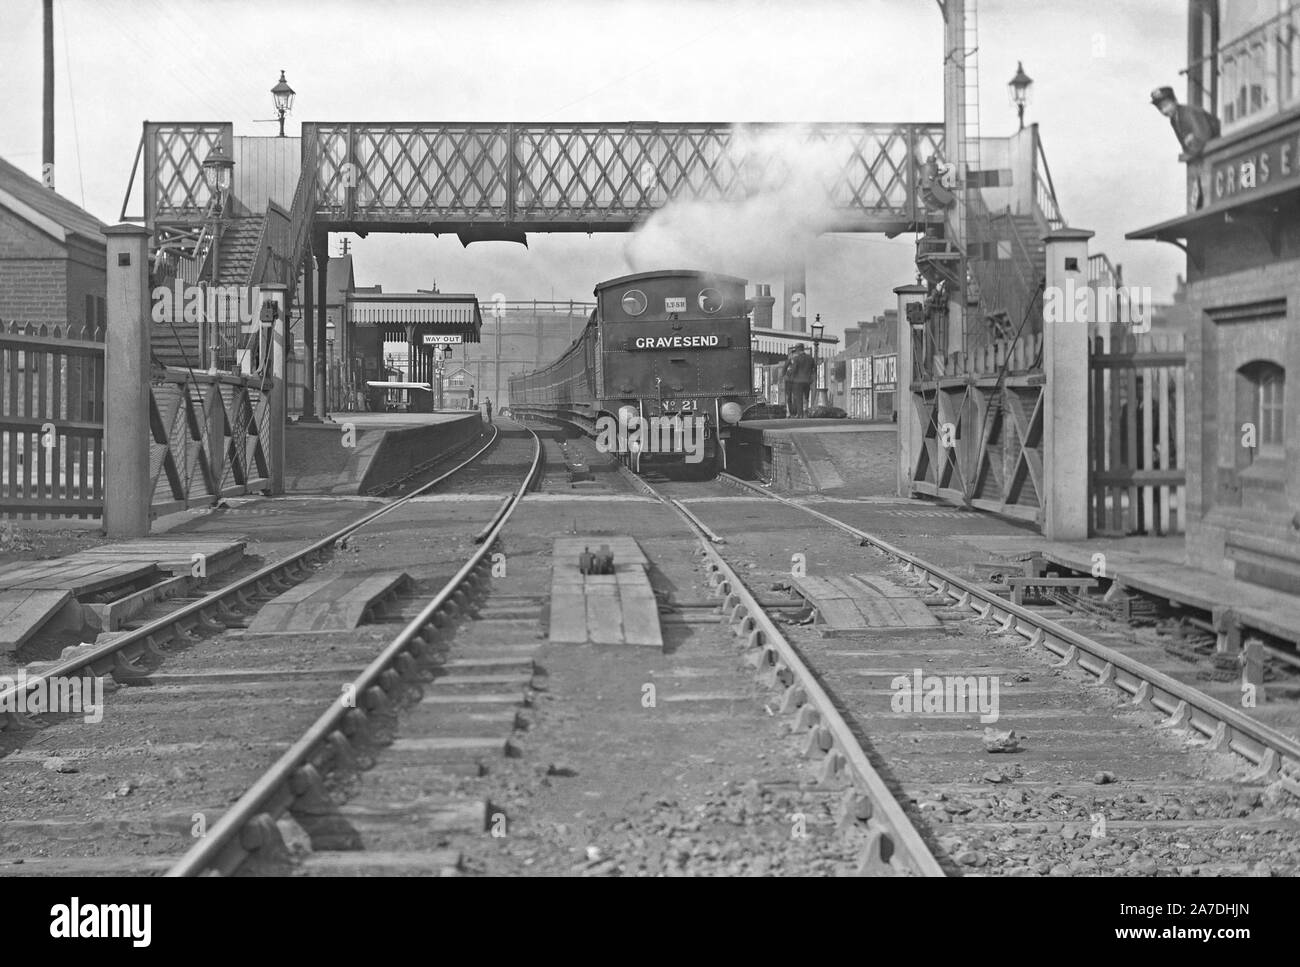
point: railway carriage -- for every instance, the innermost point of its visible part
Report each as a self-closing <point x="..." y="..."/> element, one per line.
<point x="660" y="349"/>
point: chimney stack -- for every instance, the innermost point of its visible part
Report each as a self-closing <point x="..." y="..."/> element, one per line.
<point x="763" y="303"/>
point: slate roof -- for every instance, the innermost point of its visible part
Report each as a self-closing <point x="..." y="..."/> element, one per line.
<point x="70" y="217"/>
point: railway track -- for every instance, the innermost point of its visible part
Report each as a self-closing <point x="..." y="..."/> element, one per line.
<point x="1071" y="778"/>
<point x="201" y="705"/>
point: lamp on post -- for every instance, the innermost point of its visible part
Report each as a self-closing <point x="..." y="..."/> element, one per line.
<point x="282" y="95"/>
<point x="442" y="358"/>
<point x="1019" y="90"/>
<point x="819" y="396"/>
<point x="218" y="173"/>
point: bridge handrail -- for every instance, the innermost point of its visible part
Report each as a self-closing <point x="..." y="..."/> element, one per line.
<point x="301" y="211"/>
<point x="580" y="174"/>
<point x="1044" y="189"/>
<point x="1101" y="269"/>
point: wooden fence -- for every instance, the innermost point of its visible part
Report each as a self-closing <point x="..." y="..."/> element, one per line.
<point x="981" y="417"/>
<point x="51" y="421"/>
<point x="206" y="437"/>
<point x="1137" y="428"/>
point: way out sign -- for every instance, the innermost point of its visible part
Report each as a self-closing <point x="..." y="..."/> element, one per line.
<point x="442" y="339"/>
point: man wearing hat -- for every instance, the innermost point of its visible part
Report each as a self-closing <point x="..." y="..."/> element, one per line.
<point x="1193" y="127"/>
<point x="798" y="380"/>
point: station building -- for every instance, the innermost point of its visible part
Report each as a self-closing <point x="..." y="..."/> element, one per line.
<point x="1241" y="236"/>
<point x="52" y="256"/>
<point x="864" y="375"/>
<point x="414" y="332"/>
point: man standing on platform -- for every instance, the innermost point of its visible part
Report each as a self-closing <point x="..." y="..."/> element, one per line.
<point x="487" y="405"/>
<point x="798" y="380"/>
<point x="786" y="384"/>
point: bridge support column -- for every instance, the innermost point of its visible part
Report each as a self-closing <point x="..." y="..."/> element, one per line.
<point x="1065" y="408"/>
<point x="274" y="444"/>
<point x="910" y="439"/>
<point x="308" y="338"/>
<point x="128" y="493"/>
<point x="313" y="334"/>
<point x="321" y="383"/>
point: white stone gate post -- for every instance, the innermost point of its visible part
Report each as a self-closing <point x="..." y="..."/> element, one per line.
<point x="1066" y="316"/>
<point x="128" y="491"/>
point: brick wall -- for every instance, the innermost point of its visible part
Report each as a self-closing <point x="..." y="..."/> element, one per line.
<point x="34" y="291"/>
<point x="1234" y="514"/>
<point x="44" y="281"/>
<point x="865" y="462"/>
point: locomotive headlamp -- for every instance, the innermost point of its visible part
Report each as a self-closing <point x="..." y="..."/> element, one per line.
<point x="731" y="412"/>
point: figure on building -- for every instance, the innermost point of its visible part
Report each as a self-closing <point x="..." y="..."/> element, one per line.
<point x="1193" y="126"/>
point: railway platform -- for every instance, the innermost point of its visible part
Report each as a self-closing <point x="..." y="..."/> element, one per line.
<point x="825" y="456"/>
<point x="359" y="452"/>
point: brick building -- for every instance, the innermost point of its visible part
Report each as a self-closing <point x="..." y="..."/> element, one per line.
<point x="864" y="374"/>
<point x="52" y="256"/>
<point x="1241" y="234"/>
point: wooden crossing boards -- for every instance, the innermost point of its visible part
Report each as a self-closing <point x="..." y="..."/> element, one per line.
<point x="177" y="555"/>
<point x="859" y="603"/>
<point x="23" y="613"/>
<point x="603" y="609"/>
<point x="81" y="576"/>
<point x="34" y="592"/>
<point x="328" y="602"/>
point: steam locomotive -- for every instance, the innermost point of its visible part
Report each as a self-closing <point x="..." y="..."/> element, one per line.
<point x="661" y="373"/>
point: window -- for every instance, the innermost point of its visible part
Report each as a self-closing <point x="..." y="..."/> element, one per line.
<point x="988" y="178"/>
<point x="1253" y="71"/>
<point x="1271" y="385"/>
<point x="1261" y="393"/>
<point x="96" y="316"/>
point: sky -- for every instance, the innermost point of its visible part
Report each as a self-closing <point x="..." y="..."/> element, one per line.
<point x="1113" y="158"/>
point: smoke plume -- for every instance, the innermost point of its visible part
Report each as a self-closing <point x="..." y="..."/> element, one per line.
<point x="772" y="201"/>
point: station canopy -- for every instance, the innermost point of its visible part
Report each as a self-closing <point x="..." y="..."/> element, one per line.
<point x="432" y="318"/>
<point x="777" y="343"/>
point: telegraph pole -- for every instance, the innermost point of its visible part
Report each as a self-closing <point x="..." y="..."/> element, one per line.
<point x="955" y="148"/>
<point x="47" y="150"/>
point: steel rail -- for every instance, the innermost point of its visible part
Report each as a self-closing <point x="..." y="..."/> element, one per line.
<point x="893" y="841"/>
<point x="95" y="657"/>
<point x="1275" y="753"/>
<point x="243" y="828"/>
<point x="381" y="490"/>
